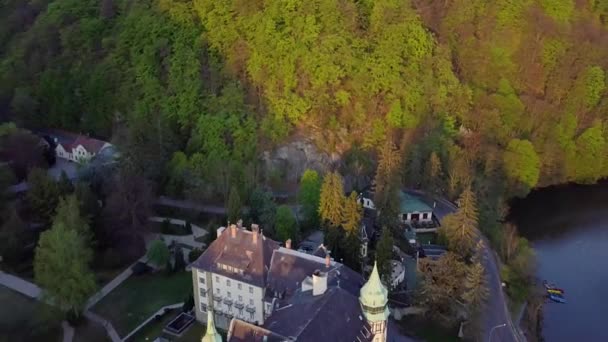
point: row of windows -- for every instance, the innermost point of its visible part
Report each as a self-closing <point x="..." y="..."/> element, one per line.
<point x="229" y="268"/>
<point x="240" y="311"/>
<point x="228" y="283"/>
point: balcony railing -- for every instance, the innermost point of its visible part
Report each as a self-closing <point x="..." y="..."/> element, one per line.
<point x="217" y="298"/>
<point x="239" y="306"/>
<point x="250" y="308"/>
<point x="228" y="301"/>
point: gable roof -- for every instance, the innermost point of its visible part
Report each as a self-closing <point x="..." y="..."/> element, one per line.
<point x="411" y="204"/>
<point x="239" y="250"/>
<point x="241" y="331"/>
<point x="69" y="140"/>
<point x="91" y="145"/>
<point x="335" y="315"/>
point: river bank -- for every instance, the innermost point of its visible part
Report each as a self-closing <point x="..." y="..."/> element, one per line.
<point x="568" y="228"/>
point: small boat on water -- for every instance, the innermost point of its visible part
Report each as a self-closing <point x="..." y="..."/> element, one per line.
<point x="551" y="288"/>
<point x="557" y="298"/>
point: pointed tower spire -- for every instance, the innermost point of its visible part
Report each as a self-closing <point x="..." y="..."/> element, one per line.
<point x="374" y="299"/>
<point x="211" y="335"/>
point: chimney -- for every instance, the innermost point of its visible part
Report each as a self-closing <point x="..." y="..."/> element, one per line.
<point x="327" y="260"/>
<point x="319" y="283"/>
<point x="255" y="231"/>
<point x="288" y="244"/>
<point x="220" y="230"/>
<point x="233" y="230"/>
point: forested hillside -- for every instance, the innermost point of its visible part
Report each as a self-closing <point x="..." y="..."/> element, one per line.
<point x="195" y="88"/>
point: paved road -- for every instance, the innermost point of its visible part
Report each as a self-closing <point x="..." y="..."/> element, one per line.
<point x="496" y="311"/>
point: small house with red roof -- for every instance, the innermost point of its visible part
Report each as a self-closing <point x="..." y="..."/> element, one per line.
<point x="76" y="147"/>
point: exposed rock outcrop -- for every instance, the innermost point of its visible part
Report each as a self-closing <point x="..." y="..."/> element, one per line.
<point x="293" y="158"/>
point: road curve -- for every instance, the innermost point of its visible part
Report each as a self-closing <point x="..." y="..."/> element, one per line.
<point x="496" y="312"/>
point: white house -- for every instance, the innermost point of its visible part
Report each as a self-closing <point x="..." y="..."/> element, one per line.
<point x="75" y="147"/>
<point x="414" y="210"/>
<point x="259" y="291"/>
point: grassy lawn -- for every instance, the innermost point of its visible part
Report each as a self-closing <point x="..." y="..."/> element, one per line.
<point x="426" y="238"/>
<point x="140" y="296"/>
<point x="154" y="329"/>
<point x="24" y="319"/>
<point x="90" y="331"/>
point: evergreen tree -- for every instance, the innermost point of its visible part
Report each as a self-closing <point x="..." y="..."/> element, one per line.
<point x="234" y="205"/>
<point x="43" y="195"/>
<point x="442" y="285"/>
<point x="476" y="289"/>
<point x="178" y="254"/>
<point x="353" y="213"/>
<point x="351" y="246"/>
<point x="286" y="226"/>
<point x="61" y="268"/>
<point x="331" y="202"/>
<point x="12" y="236"/>
<point x="433" y="173"/>
<point x="460" y="228"/>
<point x="387" y="185"/>
<point x="384" y="255"/>
<point x="309" y="196"/>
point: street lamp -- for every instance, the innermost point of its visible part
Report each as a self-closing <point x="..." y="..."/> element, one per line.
<point x="496" y="327"/>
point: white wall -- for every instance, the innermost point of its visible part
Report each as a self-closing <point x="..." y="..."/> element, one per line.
<point x="422" y="217"/>
<point x="218" y="284"/>
<point x="80" y="154"/>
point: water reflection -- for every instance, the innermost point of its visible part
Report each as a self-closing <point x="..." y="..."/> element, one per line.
<point x="568" y="227"/>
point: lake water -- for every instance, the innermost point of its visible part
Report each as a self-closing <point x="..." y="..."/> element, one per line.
<point x="569" y="230"/>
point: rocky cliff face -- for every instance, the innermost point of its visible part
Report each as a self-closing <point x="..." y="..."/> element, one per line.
<point x="293" y="158"/>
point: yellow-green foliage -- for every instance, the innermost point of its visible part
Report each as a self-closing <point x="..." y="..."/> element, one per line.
<point x="560" y="10"/>
<point x="553" y="49"/>
<point x="521" y="162"/>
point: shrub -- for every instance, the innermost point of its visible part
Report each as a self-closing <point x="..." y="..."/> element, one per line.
<point x="179" y="259"/>
<point x="158" y="254"/>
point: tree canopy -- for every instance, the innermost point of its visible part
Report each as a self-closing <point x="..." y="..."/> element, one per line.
<point x="286" y="225"/>
<point x="61" y="268"/>
<point x="309" y="196"/>
<point x="331" y="202"/>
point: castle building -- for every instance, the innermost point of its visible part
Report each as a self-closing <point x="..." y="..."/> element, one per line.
<point x="248" y="285"/>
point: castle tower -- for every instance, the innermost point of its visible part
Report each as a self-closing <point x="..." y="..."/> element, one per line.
<point x="211" y="335"/>
<point x="374" y="299"/>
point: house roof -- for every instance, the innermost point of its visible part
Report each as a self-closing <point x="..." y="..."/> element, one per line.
<point x="91" y="145"/>
<point x="241" y="331"/>
<point x="69" y="140"/>
<point x="335" y="315"/>
<point x="411" y="204"/>
<point x="239" y="250"/>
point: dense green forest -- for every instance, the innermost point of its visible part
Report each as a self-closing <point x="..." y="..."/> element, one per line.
<point x="193" y="90"/>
